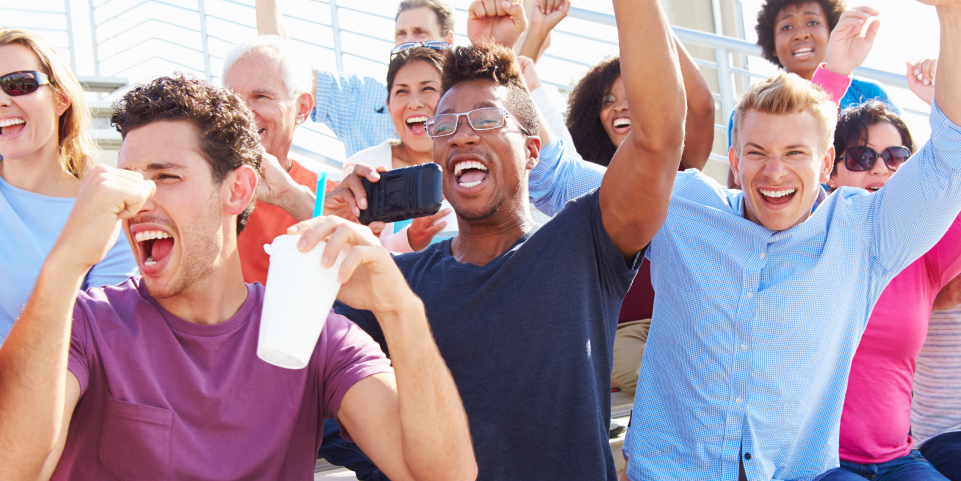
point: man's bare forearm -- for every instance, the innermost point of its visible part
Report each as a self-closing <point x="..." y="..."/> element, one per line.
<point x="436" y="438"/>
<point x="33" y="372"/>
<point x="699" y="125"/>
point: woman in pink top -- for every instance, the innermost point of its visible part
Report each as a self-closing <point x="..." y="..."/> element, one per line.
<point x="875" y="443"/>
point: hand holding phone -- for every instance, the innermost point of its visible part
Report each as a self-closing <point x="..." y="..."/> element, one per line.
<point x="402" y="194"/>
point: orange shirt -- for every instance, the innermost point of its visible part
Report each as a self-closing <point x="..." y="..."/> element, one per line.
<point x="266" y="222"/>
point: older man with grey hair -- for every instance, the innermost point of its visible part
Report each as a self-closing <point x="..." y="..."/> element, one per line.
<point x="277" y="87"/>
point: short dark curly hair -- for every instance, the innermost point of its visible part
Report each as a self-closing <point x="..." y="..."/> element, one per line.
<point x="225" y="126"/>
<point x="852" y="128"/>
<point x="767" y="19"/>
<point x="486" y="60"/>
<point x="584" y="112"/>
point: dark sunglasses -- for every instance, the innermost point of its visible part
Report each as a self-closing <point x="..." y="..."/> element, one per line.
<point x="438" y="45"/>
<point x="861" y="158"/>
<point x="23" y="82"/>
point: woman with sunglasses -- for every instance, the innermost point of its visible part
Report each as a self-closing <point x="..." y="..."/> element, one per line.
<point x="44" y="155"/>
<point x="413" y="90"/>
<point x="871" y="143"/>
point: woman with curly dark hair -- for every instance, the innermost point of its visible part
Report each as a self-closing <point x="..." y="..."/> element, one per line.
<point x="598" y="113"/>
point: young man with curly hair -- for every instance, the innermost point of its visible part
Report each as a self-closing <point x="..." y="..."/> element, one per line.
<point x="158" y="378"/>
<point x="533" y="363"/>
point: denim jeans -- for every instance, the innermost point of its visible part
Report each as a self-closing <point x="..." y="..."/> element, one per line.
<point x="944" y="453"/>
<point x="912" y="467"/>
<point x="338" y="451"/>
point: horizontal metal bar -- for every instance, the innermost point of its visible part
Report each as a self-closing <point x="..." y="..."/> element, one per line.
<point x="102" y="84"/>
<point x="366" y="35"/>
<point x="567" y="60"/>
<point x="585" y="37"/>
<point x="385" y="17"/>
<point x="719" y="158"/>
<point x="560" y="86"/>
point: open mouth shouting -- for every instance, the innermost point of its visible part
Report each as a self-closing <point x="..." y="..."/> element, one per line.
<point x="416" y="124"/>
<point x="154" y="246"/>
<point x="777" y="196"/>
<point x="469" y="173"/>
<point x="622" y="124"/>
<point x="874" y="187"/>
<point x="12" y="126"/>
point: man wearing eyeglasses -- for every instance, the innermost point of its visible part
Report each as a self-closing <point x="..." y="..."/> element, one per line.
<point x="355" y="107"/>
<point x="525" y="315"/>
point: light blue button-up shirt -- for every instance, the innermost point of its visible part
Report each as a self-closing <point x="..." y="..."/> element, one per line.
<point x="754" y="331"/>
<point x="355" y="109"/>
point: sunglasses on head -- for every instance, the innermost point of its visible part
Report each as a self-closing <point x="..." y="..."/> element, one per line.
<point x="861" y="158"/>
<point x="23" y="82"/>
<point x="438" y="45"/>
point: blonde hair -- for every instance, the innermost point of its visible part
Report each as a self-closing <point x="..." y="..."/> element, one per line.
<point x="74" y="145"/>
<point x="786" y="93"/>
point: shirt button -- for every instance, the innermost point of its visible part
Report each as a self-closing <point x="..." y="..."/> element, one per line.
<point x="738" y="401"/>
<point x="747" y="456"/>
<point x="743" y="347"/>
<point x="762" y="255"/>
<point x="750" y="294"/>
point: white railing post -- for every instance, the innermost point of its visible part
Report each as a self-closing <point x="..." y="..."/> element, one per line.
<point x="93" y="39"/>
<point x="70" y="43"/>
<point x="335" y="26"/>
<point x="203" y="38"/>
<point x="725" y="82"/>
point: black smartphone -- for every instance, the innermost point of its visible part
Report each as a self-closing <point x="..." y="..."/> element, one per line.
<point x="404" y="193"/>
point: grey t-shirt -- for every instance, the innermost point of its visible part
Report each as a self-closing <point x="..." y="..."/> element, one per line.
<point x="529" y="340"/>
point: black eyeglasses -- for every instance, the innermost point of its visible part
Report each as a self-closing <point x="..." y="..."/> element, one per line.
<point x="861" y="158"/>
<point x="486" y="118"/>
<point x="23" y="82"/>
<point x="438" y="45"/>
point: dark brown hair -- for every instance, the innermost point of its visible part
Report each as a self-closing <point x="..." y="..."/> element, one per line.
<point x="486" y="60"/>
<point x="767" y="20"/>
<point x="445" y="14"/>
<point x="225" y="127"/>
<point x="852" y="128"/>
<point x="432" y="57"/>
<point x="584" y="112"/>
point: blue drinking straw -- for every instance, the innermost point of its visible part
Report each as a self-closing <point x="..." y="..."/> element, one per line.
<point x="321" y="189"/>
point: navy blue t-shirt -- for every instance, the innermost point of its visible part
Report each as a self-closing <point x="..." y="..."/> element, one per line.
<point x="529" y="340"/>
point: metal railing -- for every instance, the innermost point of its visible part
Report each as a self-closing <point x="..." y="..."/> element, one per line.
<point x="108" y="41"/>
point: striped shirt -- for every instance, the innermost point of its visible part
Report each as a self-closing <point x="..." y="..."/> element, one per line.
<point x="754" y="331"/>
<point x="355" y="109"/>
<point x="937" y="383"/>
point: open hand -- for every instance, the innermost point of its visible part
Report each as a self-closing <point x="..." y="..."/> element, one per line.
<point x="850" y="42"/>
<point x="371" y="279"/>
<point x="275" y="181"/>
<point x="107" y="196"/>
<point x="548" y="13"/>
<point x="423" y="229"/>
<point x="503" y="21"/>
<point x="921" y="78"/>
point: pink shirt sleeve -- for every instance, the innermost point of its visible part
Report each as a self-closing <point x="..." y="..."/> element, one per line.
<point x="944" y="259"/>
<point x="835" y="84"/>
<point x="397" y="242"/>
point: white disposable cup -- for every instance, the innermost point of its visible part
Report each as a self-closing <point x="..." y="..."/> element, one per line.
<point x="450" y="229"/>
<point x="299" y="295"/>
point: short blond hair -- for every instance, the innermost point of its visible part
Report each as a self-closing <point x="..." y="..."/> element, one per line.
<point x="74" y="145"/>
<point x="786" y="93"/>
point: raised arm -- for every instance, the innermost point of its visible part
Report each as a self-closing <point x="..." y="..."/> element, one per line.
<point x="37" y="393"/>
<point x="699" y="125"/>
<point x="412" y="424"/>
<point x="947" y="88"/>
<point x="545" y="16"/>
<point x="636" y="190"/>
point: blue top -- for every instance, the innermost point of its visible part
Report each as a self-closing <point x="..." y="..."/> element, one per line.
<point x="532" y="364"/>
<point x="355" y="109"/>
<point x="754" y="330"/>
<point x="858" y="92"/>
<point x="29" y="226"/>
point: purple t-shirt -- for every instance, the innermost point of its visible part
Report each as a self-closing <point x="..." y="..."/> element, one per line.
<point x="162" y="398"/>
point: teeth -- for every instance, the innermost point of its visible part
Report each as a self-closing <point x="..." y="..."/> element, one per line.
<point x="9" y="122"/>
<point x="150" y="235"/>
<point x="416" y="120"/>
<point x="149" y="261"/>
<point x="777" y="193"/>
<point x="803" y="50"/>
<point x="468" y="164"/>
<point x="470" y="184"/>
<point x="622" y="122"/>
